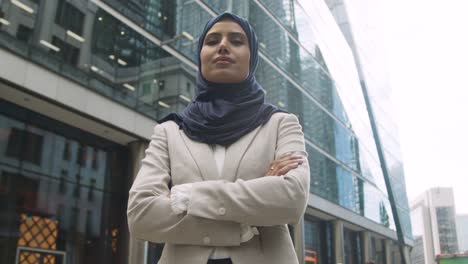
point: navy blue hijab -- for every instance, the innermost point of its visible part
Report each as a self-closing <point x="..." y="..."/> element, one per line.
<point x="224" y="112"/>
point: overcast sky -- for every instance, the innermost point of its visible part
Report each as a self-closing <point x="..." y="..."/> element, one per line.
<point x="427" y="42"/>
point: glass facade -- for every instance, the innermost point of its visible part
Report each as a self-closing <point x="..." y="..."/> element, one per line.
<point x="61" y="190"/>
<point x="353" y="18"/>
<point x="447" y="230"/>
<point x="417" y="222"/>
<point x="142" y="54"/>
<point x="352" y="247"/>
<point x="377" y="250"/>
<point x="318" y="245"/>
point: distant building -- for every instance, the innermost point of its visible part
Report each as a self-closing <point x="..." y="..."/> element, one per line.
<point x="434" y="229"/>
<point x="462" y="232"/>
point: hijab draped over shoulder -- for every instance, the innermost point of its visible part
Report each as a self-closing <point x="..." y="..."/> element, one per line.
<point x="224" y="112"/>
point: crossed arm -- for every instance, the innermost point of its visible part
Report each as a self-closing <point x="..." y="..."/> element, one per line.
<point x="264" y="201"/>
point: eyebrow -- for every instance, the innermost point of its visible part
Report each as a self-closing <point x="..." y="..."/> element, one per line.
<point x="234" y="33"/>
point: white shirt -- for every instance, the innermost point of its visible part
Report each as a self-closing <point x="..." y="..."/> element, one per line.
<point x="219" y="153"/>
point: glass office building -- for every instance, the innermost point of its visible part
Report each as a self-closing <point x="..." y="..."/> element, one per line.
<point x="82" y="83"/>
<point x="435" y="227"/>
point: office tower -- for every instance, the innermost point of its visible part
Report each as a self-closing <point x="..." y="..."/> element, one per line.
<point x="462" y="232"/>
<point x="433" y="220"/>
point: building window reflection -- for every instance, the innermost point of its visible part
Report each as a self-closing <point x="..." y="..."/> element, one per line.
<point x="69" y="17"/>
<point x="318" y="245"/>
<point x="32" y="141"/>
<point x="24" y="33"/>
<point x="77" y="190"/>
<point x="447" y="230"/>
<point x="14" y="141"/>
<point x="66" y="150"/>
<point x="352" y="247"/>
<point x="68" y="53"/>
<point x="82" y="202"/>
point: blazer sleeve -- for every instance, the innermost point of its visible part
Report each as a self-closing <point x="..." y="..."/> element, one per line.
<point x="149" y="212"/>
<point x="264" y="201"/>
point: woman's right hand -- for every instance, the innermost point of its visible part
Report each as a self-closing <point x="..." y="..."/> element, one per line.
<point x="284" y="164"/>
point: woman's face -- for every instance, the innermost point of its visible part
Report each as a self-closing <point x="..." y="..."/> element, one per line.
<point x="225" y="54"/>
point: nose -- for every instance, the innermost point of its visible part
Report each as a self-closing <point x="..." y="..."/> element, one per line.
<point x="223" y="46"/>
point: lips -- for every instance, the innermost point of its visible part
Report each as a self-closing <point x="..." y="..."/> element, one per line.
<point x="223" y="59"/>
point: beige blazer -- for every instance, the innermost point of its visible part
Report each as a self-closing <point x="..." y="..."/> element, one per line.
<point x="217" y="207"/>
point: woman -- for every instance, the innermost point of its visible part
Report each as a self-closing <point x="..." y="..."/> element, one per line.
<point x="202" y="188"/>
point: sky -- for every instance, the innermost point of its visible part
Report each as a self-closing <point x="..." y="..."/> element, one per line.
<point x="427" y="54"/>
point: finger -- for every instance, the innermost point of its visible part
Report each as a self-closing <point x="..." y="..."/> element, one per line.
<point x="271" y="170"/>
<point x="274" y="169"/>
<point x="287" y="156"/>
<point x="287" y="168"/>
<point x="292" y="157"/>
<point x="279" y="160"/>
<point x="287" y="162"/>
<point x="291" y="153"/>
<point x="284" y="155"/>
<point x="276" y="165"/>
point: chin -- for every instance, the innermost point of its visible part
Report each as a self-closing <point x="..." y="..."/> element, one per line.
<point x="224" y="77"/>
<point x="224" y="80"/>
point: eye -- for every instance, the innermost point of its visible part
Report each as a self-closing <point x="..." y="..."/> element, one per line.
<point x="237" y="42"/>
<point x="211" y="42"/>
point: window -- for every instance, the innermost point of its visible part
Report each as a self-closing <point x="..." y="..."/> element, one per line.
<point x="81" y="157"/>
<point x="14" y="143"/>
<point x="94" y="163"/>
<point x="66" y="150"/>
<point x="77" y="189"/>
<point x="74" y="218"/>
<point x="24" y="33"/>
<point x="33" y="142"/>
<point x="447" y="230"/>
<point x="352" y="247"/>
<point x="89" y="223"/>
<point x="146" y="89"/>
<point x="4" y="182"/>
<point x="23" y="194"/>
<point x="69" y="17"/>
<point x="60" y="213"/>
<point x="162" y="85"/>
<point x="62" y="184"/>
<point x="68" y="53"/>
<point x="91" y="190"/>
<point x="318" y="245"/>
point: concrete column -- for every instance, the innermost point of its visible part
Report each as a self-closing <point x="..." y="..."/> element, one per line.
<point x="407" y="254"/>
<point x="137" y="249"/>
<point x="338" y="241"/>
<point x="365" y="246"/>
<point x="388" y="251"/>
<point x="299" y="240"/>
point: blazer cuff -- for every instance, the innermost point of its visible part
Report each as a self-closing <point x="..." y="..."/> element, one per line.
<point x="180" y="197"/>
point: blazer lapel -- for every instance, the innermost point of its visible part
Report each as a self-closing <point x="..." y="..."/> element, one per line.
<point x="235" y="153"/>
<point x="203" y="157"/>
